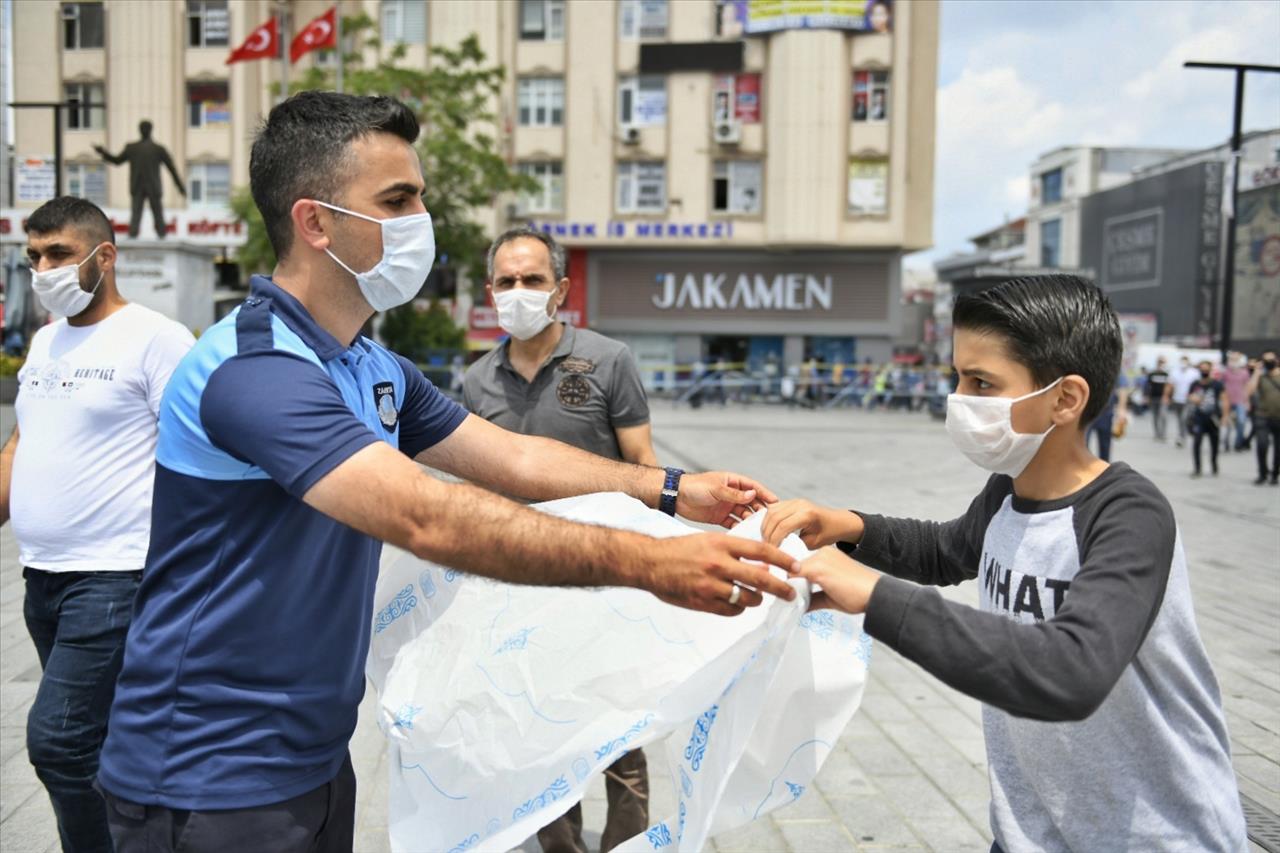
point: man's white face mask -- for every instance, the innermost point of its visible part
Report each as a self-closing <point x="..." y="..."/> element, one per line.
<point x="982" y="429"/>
<point x="523" y="313"/>
<point x="59" y="289"/>
<point x="408" y="251"/>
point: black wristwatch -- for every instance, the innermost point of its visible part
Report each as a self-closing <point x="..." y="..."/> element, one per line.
<point x="670" y="491"/>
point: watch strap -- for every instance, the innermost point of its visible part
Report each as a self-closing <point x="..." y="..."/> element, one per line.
<point x="670" y="491"/>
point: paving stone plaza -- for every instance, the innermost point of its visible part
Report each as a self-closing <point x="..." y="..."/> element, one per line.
<point x="910" y="771"/>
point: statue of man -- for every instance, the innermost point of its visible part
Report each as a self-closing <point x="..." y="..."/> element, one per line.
<point x="145" y="158"/>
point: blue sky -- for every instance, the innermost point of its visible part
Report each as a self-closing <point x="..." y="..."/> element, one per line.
<point x="1016" y="79"/>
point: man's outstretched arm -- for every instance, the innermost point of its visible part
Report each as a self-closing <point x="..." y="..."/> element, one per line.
<point x="381" y="492"/>
<point x="541" y="469"/>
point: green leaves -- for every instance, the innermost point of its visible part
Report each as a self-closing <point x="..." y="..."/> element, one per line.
<point x="455" y="99"/>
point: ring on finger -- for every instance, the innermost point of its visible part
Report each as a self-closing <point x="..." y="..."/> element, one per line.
<point x="735" y="595"/>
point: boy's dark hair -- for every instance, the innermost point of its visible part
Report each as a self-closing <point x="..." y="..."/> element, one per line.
<point x="1054" y="325"/>
<point x="302" y="149"/>
<point x="70" y="212"/>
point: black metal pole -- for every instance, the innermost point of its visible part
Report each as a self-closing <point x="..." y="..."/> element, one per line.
<point x="57" y="151"/>
<point x="1229" y="270"/>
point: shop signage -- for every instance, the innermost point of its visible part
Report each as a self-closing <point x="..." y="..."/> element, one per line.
<point x="718" y="291"/>
<point x="1131" y="247"/>
<point x="207" y="226"/>
<point x="617" y="230"/>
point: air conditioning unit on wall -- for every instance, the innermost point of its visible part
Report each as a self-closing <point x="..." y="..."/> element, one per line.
<point x="728" y="132"/>
<point x="631" y="136"/>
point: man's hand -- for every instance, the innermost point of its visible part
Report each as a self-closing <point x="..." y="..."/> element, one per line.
<point x="719" y="497"/>
<point x="699" y="572"/>
<point x="846" y="584"/>
<point x="818" y="526"/>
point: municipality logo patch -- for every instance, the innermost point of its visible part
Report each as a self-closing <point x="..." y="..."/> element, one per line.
<point x="384" y="398"/>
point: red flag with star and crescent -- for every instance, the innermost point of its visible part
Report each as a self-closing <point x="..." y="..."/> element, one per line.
<point x="262" y="43"/>
<point x="320" y="34"/>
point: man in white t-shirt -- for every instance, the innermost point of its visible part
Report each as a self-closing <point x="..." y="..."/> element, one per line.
<point x="76" y="478"/>
<point x="1181" y="378"/>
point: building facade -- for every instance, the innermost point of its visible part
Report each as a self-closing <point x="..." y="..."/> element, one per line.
<point x="734" y="180"/>
<point x="1059" y="180"/>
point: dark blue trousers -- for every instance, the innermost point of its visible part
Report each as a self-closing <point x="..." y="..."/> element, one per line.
<point x="78" y="622"/>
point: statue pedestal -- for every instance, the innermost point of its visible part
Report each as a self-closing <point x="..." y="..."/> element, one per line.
<point x="173" y="277"/>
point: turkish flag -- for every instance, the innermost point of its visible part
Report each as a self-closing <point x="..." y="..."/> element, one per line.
<point x="262" y="43"/>
<point x="321" y="33"/>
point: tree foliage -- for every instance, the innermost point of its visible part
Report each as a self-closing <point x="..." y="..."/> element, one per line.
<point x="416" y="333"/>
<point x="463" y="168"/>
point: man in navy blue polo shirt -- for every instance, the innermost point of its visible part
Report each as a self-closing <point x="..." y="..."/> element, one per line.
<point x="285" y="459"/>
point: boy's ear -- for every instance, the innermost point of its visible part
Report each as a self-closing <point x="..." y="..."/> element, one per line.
<point x="1072" y="397"/>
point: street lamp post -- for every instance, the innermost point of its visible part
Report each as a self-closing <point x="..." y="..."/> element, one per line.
<point x="1229" y="272"/>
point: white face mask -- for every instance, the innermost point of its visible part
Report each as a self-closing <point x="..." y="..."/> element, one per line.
<point x="523" y="313"/>
<point x="408" y="250"/>
<point x="59" y="289"/>
<point x="982" y="429"/>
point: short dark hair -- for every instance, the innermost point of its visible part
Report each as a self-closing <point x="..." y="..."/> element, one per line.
<point x="559" y="266"/>
<point x="302" y="149"/>
<point x="1053" y="325"/>
<point x="69" y="211"/>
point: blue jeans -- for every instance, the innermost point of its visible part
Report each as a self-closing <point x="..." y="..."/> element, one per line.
<point x="1101" y="429"/>
<point x="78" y="622"/>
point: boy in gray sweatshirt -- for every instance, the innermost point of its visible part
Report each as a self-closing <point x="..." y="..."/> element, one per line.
<point x="1102" y="715"/>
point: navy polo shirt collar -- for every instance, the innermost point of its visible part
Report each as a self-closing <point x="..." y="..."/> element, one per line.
<point x="287" y="307"/>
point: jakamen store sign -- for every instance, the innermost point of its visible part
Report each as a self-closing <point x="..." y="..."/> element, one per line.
<point x="719" y="292"/>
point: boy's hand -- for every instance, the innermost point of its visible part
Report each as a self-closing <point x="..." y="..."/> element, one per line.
<point x="818" y="526"/>
<point x="846" y="584"/>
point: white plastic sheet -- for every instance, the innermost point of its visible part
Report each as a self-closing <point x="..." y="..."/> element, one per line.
<point x="501" y="702"/>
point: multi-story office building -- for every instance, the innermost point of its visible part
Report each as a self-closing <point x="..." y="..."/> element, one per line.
<point x="733" y="181"/>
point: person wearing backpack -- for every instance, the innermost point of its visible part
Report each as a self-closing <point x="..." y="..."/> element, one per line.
<point x="1264" y="391"/>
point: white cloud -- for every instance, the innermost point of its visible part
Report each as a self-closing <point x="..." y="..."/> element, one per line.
<point x="1033" y="77"/>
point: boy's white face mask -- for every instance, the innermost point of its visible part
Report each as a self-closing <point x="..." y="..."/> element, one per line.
<point x="982" y="429"/>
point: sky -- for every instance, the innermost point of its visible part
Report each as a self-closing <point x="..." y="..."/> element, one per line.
<point x="1017" y="79"/>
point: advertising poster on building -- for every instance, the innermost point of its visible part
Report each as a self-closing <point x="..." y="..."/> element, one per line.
<point x="746" y="105"/>
<point x="770" y="16"/>
<point x="34" y="179"/>
<point x="736" y="97"/>
<point x="1257" y="281"/>
<point x="1136" y="329"/>
<point x="869" y="187"/>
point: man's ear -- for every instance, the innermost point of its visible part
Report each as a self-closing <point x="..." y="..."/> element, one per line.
<point x="563" y="288"/>
<point x="488" y="289"/>
<point x="1073" y="396"/>
<point x="107" y="257"/>
<point x="309" y="224"/>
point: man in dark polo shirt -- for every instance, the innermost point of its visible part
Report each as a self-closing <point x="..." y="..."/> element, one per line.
<point x="575" y="386"/>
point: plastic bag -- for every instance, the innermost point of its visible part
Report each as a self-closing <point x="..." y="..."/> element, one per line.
<point x="501" y="702"/>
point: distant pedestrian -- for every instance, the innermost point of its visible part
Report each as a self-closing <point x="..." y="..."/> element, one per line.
<point x="1264" y="389"/>
<point x="1157" y="382"/>
<point x="1235" y="379"/>
<point x="1111" y="422"/>
<point x="1207" y="400"/>
<point x="1180" y="382"/>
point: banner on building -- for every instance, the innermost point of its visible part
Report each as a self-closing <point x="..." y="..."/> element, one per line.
<point x="35" y="179"/>
<point x="869" y="187"/>
<point x="1257" y="279"/>
<point x="770" y="16"/>
<point x="736" y="97"/>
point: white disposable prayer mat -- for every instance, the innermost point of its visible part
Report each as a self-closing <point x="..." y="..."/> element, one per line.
<point x="501" y="702"/>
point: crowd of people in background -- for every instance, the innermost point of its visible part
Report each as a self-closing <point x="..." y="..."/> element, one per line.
<point x="1214" y="408"/>
<point x="1222" y="408"/>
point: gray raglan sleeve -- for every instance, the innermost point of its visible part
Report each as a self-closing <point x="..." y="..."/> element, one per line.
<point x="1062" y="668"/>
<point x="929" y="552"/>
